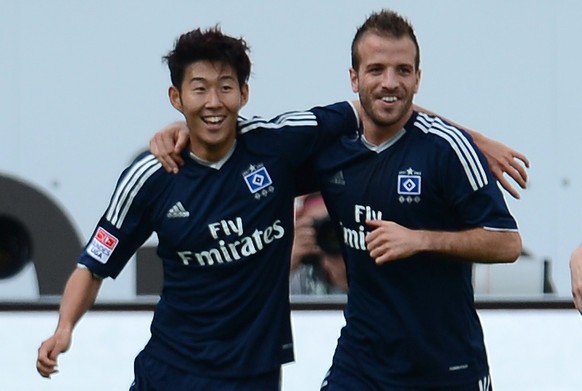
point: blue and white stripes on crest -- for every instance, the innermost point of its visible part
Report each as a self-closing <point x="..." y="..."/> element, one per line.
<point x="128" y="187"/>
<point x="292" y="118"/>
<point x="458" y="141"/>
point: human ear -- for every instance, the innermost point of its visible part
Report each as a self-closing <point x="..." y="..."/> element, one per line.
<point x="245" y="91"/>
<point x="354" y="80"/>
<point x="417" y="86"/>
<point x="175" y="100"/>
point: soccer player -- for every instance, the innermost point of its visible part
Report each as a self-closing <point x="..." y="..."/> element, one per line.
<point x="224" y="226"/>
<point x="576" y="277"/>
<point x="415" y="205"/>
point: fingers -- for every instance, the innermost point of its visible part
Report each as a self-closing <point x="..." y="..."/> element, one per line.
<point x="374" y="244"/>
<point x="174" y="161"/>
<point x="181" y="142"/>
<point x="161" y="151"/>
<point x="508" y="187"/>
<point x="169" y="164"/>
<point x="518" y="172"/>
<point x="45" y="365"/>
<point x="374" y="223"/>
<point x="46" y="368"/>
<point x="167" y="144"/>
<point x="520" y="156"/>
<point x="515" y="170"/>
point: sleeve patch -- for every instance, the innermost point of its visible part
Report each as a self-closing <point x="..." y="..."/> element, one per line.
<point x="102" y="245"/>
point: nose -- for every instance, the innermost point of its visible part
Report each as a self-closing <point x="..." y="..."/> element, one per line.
<point x="389" y="79"/>
<point x="213" y="98"/>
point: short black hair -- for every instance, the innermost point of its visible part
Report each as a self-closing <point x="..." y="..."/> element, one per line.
<point x="208" y="45"/>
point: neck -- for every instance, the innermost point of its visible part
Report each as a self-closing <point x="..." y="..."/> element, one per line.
<point x="377" y="133"/>
<point x="211" y="153"/>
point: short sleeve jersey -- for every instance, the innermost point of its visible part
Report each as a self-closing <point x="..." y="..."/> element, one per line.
<point x="225" y="233"/>
<point x="411" y="322"/>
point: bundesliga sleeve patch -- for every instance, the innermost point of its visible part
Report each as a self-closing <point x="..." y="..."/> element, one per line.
<point x="102" y="245"/>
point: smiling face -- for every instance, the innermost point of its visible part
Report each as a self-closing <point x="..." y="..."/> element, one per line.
<point x="210" y="99"/>
<point x="386" y="80"/>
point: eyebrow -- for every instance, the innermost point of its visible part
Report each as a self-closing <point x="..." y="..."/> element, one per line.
<point x="221" y="78"/>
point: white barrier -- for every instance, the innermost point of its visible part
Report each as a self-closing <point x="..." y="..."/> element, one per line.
<point x="533" y="350"/>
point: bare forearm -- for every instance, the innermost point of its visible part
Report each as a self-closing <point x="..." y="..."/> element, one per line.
<point x="475" y="245"/>
<point x="79" y="295"/>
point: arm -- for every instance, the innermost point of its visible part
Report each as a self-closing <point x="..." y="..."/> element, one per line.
<point x="500" y="157"/>
<point x="167" y="144"/>
<point x="79" y="295"/>
<point x="389" y="241"/>
<point x="576" y="275"/>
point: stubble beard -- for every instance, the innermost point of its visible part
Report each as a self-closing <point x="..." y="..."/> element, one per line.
<point x="381" y="121"/>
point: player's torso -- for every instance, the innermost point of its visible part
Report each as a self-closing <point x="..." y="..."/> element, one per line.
<point x="400" y="183"/>
<point x="402" y="305"/>
<point x="209" y="217"/>
<point x="225" y="238"/>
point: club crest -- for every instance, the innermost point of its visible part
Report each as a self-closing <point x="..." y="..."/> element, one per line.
<point x="258" y="180"/>
<point x="409" y="186"/>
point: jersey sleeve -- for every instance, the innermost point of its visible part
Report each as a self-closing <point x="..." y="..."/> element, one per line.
<point x="126" y="223"/>
<point x="298" y="135"/>
<point x="467" y="180"/>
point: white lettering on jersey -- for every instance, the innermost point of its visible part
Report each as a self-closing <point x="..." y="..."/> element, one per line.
<point x="228" y="227"/>
<point x="356" y="238"/>
<point x="363" y="213"/>
<point x="236" y="250"/>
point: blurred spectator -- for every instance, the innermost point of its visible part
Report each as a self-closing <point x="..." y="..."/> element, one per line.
<point x="317" y="266"/>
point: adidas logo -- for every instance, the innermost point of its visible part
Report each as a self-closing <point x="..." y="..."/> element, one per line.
<point x="177" y="211"/>
<point x="338" y="178"/>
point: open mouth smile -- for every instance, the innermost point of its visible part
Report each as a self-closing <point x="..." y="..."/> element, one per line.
<point x="214" y="120"/>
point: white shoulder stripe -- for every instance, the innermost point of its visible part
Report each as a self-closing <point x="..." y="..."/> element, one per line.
<point x="459" y="143"/>
<point x="296" y="118"/>
<point x="129" y="186"/>
<point x="465" y="151"/>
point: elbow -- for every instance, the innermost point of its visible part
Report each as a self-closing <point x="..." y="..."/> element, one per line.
<point x="513" y="249"/>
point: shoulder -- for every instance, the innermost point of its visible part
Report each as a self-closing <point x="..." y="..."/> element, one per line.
<point x="285" y="120"/>
<point x="144" y="169"/>
<point x="454" y="148"/>
<point x="443" y="135"/>
<point x="437" y="128"/>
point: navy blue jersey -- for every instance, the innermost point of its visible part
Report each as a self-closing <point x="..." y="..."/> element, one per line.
<point x="225" y="232"/>
<point x="411" y="321"/>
